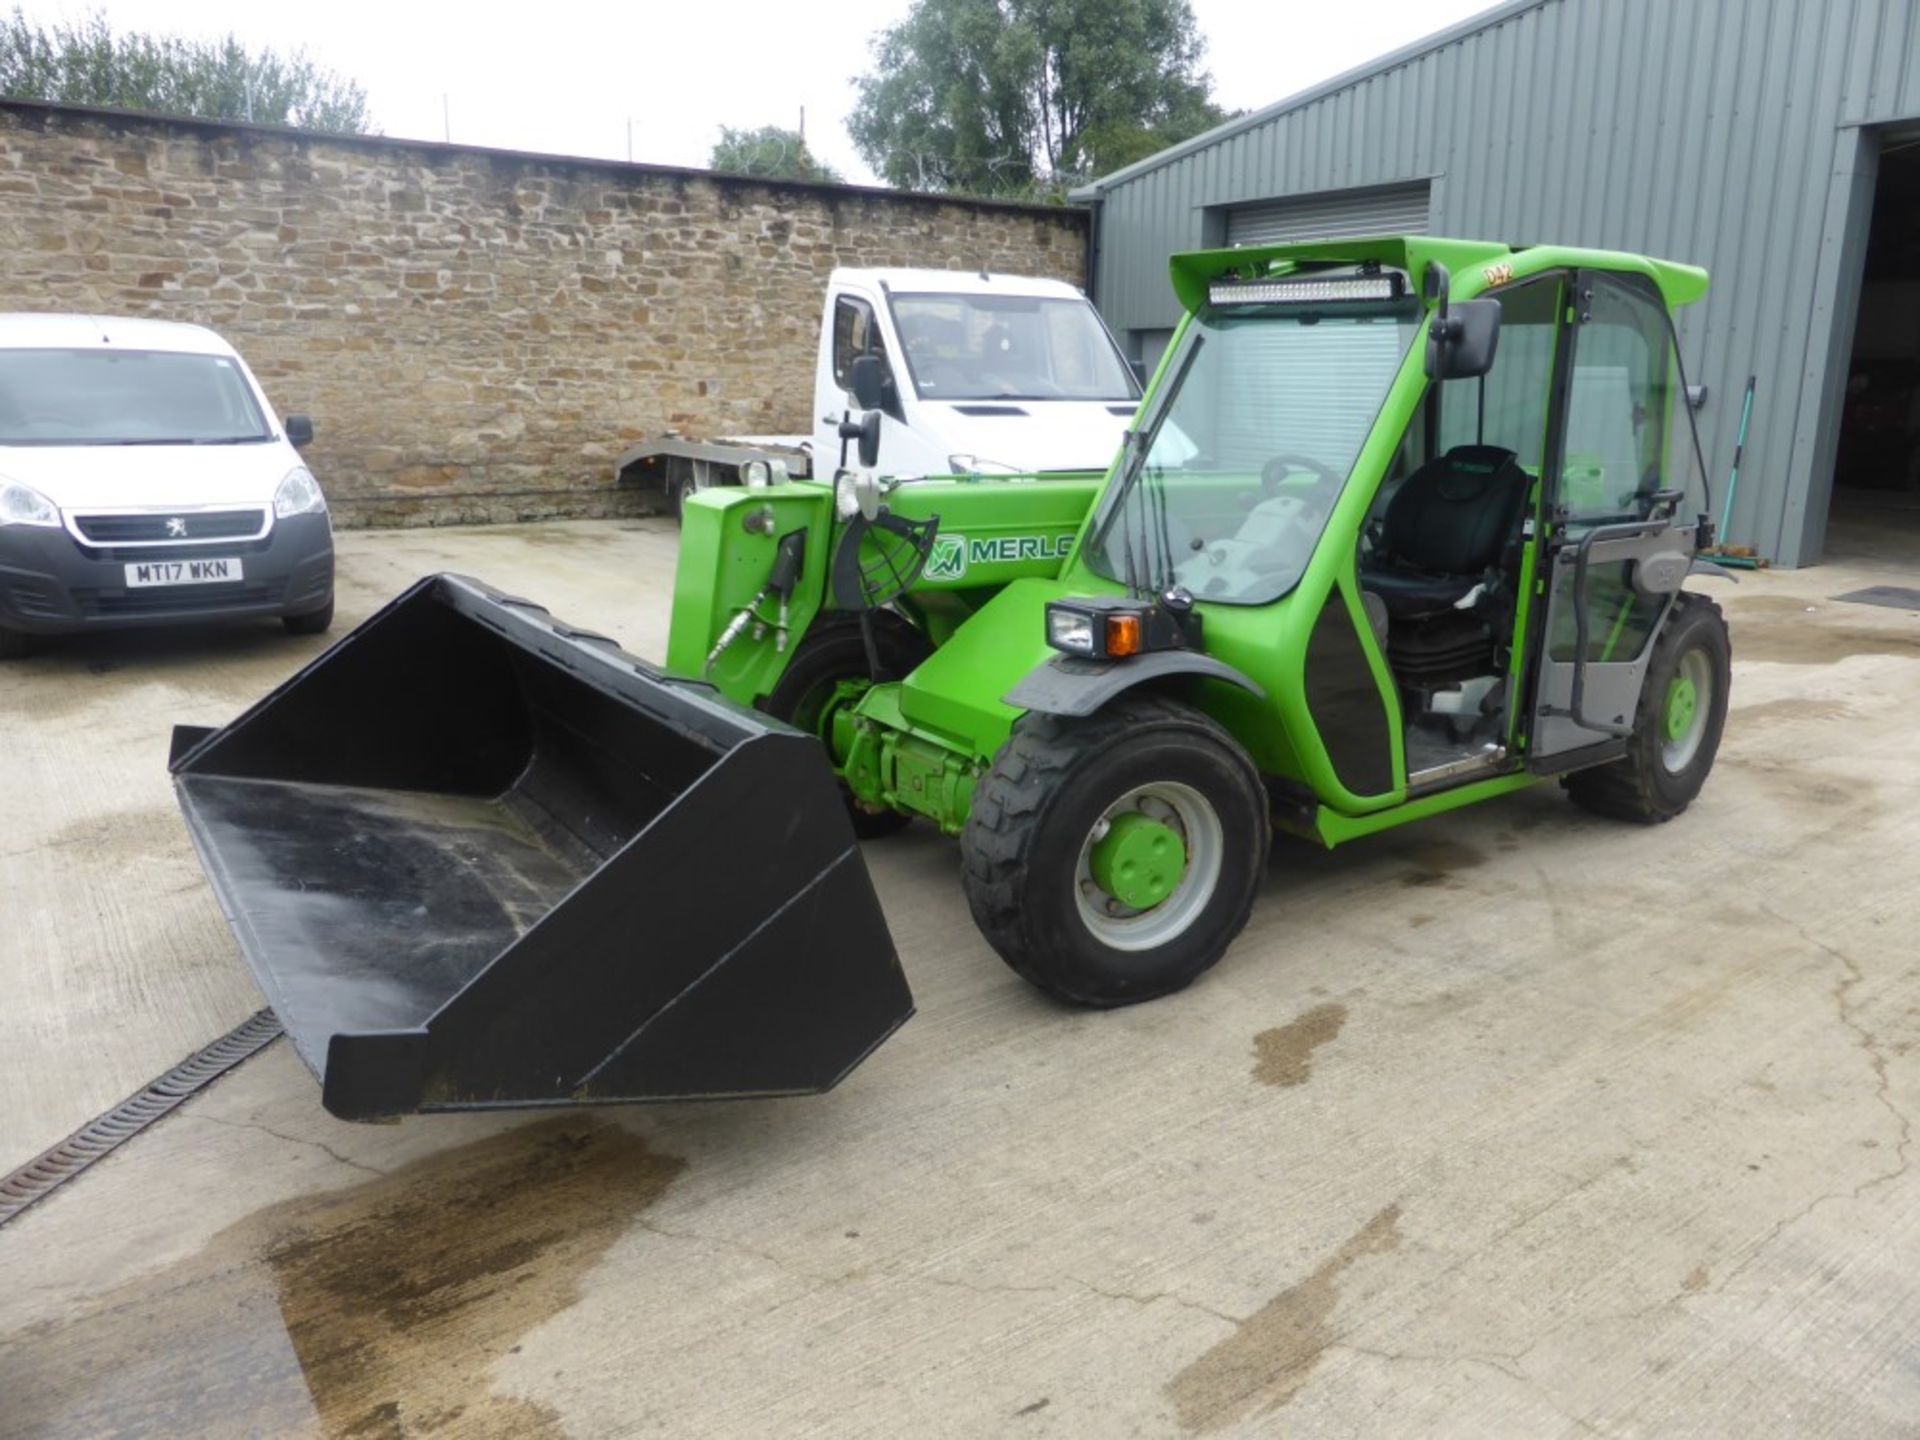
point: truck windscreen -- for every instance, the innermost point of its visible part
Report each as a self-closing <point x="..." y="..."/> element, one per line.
<point x="125" y="397"/>
<point x="1228" y="488"/>
<point x="1009" y="347"/>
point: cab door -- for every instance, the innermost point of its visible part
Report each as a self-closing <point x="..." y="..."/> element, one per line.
<point x="1620" y="536"/>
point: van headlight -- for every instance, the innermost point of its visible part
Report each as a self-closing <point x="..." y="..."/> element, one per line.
<point x="299" y="494"/>
<point x="23" y="505"/>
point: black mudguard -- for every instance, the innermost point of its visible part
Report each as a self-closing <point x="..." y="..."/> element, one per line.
<point x="1070" y="685"/>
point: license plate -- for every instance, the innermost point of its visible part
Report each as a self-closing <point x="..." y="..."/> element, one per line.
<point x="182" y="572"/>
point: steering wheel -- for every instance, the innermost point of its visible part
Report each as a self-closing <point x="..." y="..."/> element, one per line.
<point x="1275" y="471"/>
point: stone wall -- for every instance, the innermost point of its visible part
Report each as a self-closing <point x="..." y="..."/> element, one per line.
<point x="476" y="333"/>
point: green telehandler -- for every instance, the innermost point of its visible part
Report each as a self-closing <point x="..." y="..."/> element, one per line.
<point x="1401" y="525"/>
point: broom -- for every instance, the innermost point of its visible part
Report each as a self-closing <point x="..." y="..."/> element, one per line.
<point x="1738" y="557"/>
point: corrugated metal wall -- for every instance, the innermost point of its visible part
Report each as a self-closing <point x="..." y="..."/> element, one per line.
<point x="1737" y="134"/>
<point x="1388" y="210"/>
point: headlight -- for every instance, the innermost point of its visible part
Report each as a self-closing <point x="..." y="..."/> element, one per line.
<point x="299" y="494"/>
<point x="1070" y="630"/>
<point x="1110" y="628"/>
<point x="21" y="505"/>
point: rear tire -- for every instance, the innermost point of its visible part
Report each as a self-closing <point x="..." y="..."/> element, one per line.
<point x="14" y="644"/>
<point x="833" y="651"/>
<point x="1055" y="792"/>
<point x="1676" y="729"/>
<point x="314" y="622"/>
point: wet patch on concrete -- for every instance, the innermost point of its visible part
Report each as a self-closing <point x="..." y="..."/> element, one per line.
<point x="1805" y="788"/>
<point x="1696" y="1280"/>
<point x="1272" y="1353"/>
<point x="1802" y="637"/>
<point x="120" y="839"/>
<point x="1793" y="707"/>
<point x="377" y="1311"/>
<point x="1435" y="862"/>
<point x="1284" y="1055"/>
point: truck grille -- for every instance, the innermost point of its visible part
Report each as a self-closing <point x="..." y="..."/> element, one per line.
<point x="143" y="528"/>
<point x="170" y="599"/>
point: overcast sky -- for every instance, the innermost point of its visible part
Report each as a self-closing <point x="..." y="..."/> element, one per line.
<point x="567" y="76"/>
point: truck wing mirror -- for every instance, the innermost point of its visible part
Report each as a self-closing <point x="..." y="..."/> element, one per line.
<point x="1463" y="340"/>
<point x="869" y="441"/>
<point x="299" y="430"/>
<point x="867" y="378"/>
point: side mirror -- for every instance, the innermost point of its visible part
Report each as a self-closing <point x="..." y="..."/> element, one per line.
<point x="1139" y="368"/>
<point x="299" y="431"/>
<point x="1463" y="340"/>
<point x="869" y="441"/>
<point x="867" y="378"/>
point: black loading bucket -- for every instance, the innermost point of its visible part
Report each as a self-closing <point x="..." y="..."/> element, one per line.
<point x="476" y="858"/>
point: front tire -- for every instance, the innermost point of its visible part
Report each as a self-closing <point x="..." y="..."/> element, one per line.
<point x="834" y="651"/>
<point x="1112" y="858"/>
<point x="314" y="622"/>
<point x="1677" y="727"/>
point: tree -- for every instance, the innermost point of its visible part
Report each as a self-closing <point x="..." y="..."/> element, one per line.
<point x="1011" y="97"/>
<point x="768" y="153"/>
<point x="89" y="64"/>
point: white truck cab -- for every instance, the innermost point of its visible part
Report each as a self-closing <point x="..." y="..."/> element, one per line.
<point x="982" y="373"/>
<point x="991" y="373"/>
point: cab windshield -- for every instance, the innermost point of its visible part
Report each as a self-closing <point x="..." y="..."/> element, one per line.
<point x="125" y="397"/>
<point x="1228" y="488"/>
<point x="1009" y="347"/>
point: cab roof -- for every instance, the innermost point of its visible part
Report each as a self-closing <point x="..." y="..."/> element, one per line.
<point x="26" y="331"/>
<point x="956" y="282"/>
<point x="1474" y="265"/>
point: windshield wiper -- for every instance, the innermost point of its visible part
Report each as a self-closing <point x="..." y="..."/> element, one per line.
<point x="176" y="440"/>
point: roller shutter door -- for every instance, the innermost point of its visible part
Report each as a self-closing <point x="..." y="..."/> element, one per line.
<point x="1384" y="210"/>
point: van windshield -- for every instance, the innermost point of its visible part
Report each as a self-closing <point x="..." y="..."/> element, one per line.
<point x="1009" y="347"/>
<point x="125" y="397"/>
<point x="1227" y="489"/>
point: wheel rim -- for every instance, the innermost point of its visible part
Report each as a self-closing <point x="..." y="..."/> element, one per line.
<point x="1162" y="839"/>
<point x="1683" y="716"/>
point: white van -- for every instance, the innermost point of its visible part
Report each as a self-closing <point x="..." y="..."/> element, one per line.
<point x="144" y="480"/>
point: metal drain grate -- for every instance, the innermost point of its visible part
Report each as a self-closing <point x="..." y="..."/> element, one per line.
<point x="1894" y="597"/>
<point x="99" y="1137"/>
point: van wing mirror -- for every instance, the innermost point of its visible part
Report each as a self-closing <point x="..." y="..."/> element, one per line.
<point x="869" y="441"/>
<point x="299" y="430"/>
<point x="1463" y="340"/>
<point x="867" y="378"/>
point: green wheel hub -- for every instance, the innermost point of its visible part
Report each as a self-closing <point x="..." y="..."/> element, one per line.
<point x="1683" y="702"/>
<point x="1138" y="861"/>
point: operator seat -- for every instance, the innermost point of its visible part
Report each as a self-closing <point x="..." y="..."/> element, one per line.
<point x="1445" y="528"/>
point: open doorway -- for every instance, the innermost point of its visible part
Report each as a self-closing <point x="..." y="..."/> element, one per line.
<point x="1876" y="481"/>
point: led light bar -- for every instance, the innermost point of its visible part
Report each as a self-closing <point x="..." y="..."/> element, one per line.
<point x="1307" y="292"/>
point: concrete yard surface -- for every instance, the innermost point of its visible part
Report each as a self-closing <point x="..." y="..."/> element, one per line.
<point x="1514" y="1122"/>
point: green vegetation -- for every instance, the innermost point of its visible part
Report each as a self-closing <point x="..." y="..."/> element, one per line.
<point x="1030" y="97"/>
<point x="769" y="153"/>
<point x="89" y="63"/>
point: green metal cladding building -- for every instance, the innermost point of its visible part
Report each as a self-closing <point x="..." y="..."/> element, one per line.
<point x="1776" y="142"/>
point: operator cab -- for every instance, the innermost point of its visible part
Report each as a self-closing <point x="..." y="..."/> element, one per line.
<point x="1448" y="551"/>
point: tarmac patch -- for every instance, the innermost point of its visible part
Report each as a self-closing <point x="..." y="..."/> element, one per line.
<point x="1284" y="1055"/>
<point x="1272" y="1353"/>
<point x="375" y="1311"/>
